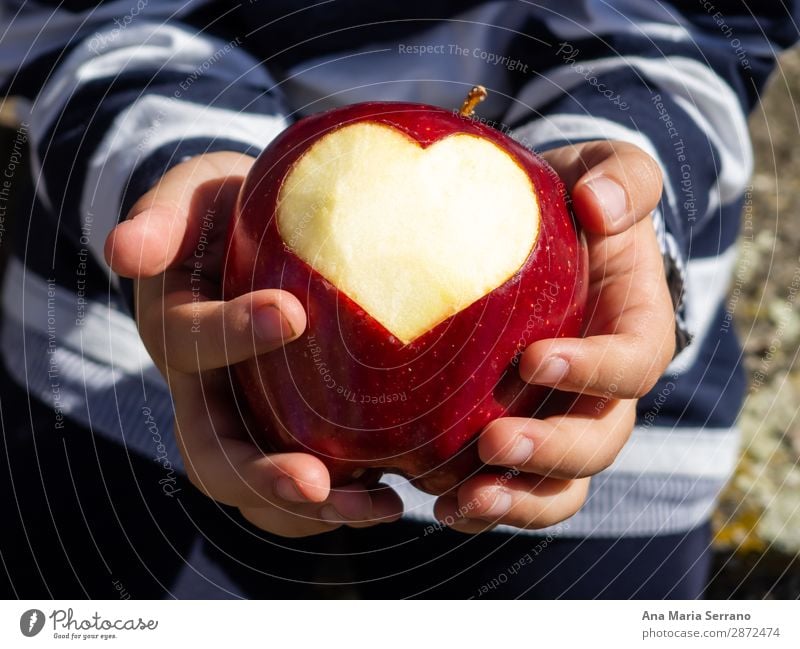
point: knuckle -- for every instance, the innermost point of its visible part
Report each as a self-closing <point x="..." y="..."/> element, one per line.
<point x="551" y="515"/>
<point x="237" y="329"/>
<point x="561" y="508"/>
<point x="495" y="441"/>
<point x="601" y="461"/>
<point x="571" y="502"/>
<point x="558" y="510"/>
<point x="650" y="170"/>
<point x="647" y="164"/>
<point x="644" y="171"/>
<point x="648" y="382"/>
<point x="656" y="174"/>
<point x="653" y="376"/>
<point x="576" y="506"/>
<point x="529" y="360"/>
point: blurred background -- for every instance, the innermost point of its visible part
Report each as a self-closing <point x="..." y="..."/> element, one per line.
<point x="758" y="519"/>
<point x="757" y="524"/>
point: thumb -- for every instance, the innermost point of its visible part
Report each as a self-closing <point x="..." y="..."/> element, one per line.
<point x="164" y="225"/>
<point x="613" y="184"/>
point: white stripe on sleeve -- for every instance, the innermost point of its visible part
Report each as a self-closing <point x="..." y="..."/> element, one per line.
<point x="705" y="97"/>
<point x="147" y="125"/>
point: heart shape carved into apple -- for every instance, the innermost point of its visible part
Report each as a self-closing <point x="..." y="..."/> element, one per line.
<point x="433" y="230"/>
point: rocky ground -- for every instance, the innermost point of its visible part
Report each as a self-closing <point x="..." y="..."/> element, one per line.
<point x="758" y="520"/>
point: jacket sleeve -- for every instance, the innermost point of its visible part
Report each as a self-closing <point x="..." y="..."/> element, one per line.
<point x="679" y="86"/>
<point x="112" y="100"/>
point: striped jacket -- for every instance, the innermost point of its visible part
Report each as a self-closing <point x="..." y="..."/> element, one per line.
<point x="112" y="94"/>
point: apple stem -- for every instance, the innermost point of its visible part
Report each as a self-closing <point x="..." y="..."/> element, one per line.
<point x="474" y="97"/>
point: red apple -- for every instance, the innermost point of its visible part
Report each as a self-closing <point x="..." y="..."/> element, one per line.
<point x="429" y="250"/>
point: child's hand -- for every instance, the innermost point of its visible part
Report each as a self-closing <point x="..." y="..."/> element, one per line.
<point x="630" y="341"/>
<point x="172" y="245"/>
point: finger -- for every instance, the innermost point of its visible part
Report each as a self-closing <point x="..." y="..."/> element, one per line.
<point x="234" y="471"/>
<point x="524" y="501"/>
<point x="230" y="469"/>
<point x="626" y="352"/>
<point x="237" y="473"/>
<point x="613" y="184"/>
<point x="290" y="523"/>
<point x="448" y="513"/>
<point x="347" y="504"/>
<point x="193" y="335"/>
<point x="577" y="445"/>
<point x="357" y="507"/>
<point x="163" y="227"/>
<point x="387" y="507"/>
<point x="351" y="505"/>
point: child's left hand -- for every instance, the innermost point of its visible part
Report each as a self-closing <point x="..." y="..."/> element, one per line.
<point x="630" y="340"/>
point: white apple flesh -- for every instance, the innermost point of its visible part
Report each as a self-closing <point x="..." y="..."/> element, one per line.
<point x="412" y="235"/>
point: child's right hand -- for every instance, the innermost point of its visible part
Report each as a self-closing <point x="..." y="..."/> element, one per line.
<point x="192" y="335"/>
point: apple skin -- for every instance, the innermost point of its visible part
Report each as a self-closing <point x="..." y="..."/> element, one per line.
<point x="347" y="390"/>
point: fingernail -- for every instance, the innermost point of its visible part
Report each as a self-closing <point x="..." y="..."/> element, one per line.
<point x="519" y="453"/>
<point x="271" y="325"/>
<point x="286" y="488"/>
<point x="501" y="503"/>
<point x="551" y="371"/>
<point x="329" y="514"/>
<point x="611" y="196"/>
